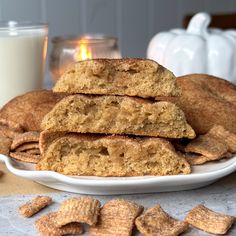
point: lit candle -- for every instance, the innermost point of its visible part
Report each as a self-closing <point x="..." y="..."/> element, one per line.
<point x="68" y="50"/>
<point x="83" y="51"/>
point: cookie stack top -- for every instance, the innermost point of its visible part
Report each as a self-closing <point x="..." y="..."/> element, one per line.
<point x="125" y="107"/>
<point x="131" y="77"/>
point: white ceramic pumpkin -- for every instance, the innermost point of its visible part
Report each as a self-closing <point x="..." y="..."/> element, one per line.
<point x="196" y="50"/>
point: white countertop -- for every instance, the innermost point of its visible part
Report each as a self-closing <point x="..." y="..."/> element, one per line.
<point x="220" y="196"/>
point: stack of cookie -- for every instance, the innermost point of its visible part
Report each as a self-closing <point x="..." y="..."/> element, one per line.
<point x="112" y="123"/>
<point x="20" y="122"/>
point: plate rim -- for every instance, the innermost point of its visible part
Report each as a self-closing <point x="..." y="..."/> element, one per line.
<point x="102" y="181"/>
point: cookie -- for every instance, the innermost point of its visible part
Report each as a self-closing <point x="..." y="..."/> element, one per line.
<point x="117" y="115"/>
<point x="5" y="145"/>
<point x="206" y="101"/>
<point x="7" y="132"/>
<point x="127" y="76"/>
<point x="107" y="155"/>
<point x="11" y="125"/>
<point x="28" y="109"/>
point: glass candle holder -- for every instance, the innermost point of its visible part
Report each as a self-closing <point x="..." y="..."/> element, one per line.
<point x="68" y="50"/>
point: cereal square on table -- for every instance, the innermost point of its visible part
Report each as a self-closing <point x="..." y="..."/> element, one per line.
<point x="155" y="221"/>
<point x="116" y="218"/>
<point x="82" y="210"/>
<point x="46" y="226"/>
<point x="209" y="221"/>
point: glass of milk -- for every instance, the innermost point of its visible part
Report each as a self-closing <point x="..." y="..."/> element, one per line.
<point x="23" y="48"/>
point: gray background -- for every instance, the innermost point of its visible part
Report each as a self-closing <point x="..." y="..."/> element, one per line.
<point x="134" y="22"/>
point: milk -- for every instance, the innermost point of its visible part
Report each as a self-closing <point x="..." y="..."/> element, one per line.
<point x="22" y="58"/>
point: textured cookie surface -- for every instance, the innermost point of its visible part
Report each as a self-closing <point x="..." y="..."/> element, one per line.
<point x="77" y="154"/>
<point x="133" y="77"/>
<point x="117" y="115"/>
<point x="28" y="109"/>
<point x="207" y="101"/>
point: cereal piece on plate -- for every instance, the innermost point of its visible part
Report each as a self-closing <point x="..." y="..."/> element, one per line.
<point x="195" y="159"/>
<point x="35" y="151"/>
<point x="27" y="146"/>
<point x="27" y="137"/>
<point x="228" y="155"/>
<point x="47" y="137"/>
<point x="1" y="173"/>
<point x="81" y="210"/>
<point x="25" y="157"/>
<point x="155" y="221"/>
<point x="47" y="227"/>
<point x="209" y="221"/>
<point x="5" y="144"/>
<point x="116" y="218"/>
<point x="207" y="146"/>
<point x="11" y="125"/>
<point x="221" y="133"/>
<point x="34" y="206"/>
<point x="112" y="155"/>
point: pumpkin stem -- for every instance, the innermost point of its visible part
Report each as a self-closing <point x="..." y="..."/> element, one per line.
<point x="199" y="23"/>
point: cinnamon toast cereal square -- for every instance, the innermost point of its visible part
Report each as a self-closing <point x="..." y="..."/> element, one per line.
<point x="34" y="206"/>
<point x="81" y="210"/>
<point x="209" y="221"/>
<point x="46" y="226"/>
<point x="116" y="218"/>
<point x="155" y="221"/>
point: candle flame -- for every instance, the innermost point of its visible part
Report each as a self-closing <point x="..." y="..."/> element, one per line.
<point x="84" y="51"/>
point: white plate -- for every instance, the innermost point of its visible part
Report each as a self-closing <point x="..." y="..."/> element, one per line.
<point x="201" y="176"/>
